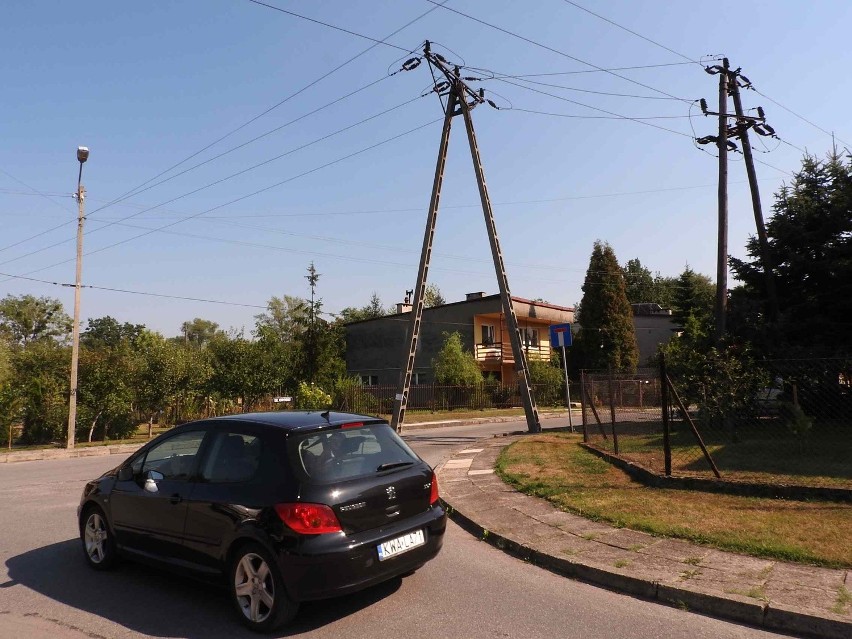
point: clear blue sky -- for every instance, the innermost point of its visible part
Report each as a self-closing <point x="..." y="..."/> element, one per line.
<point x="145" y="85"/>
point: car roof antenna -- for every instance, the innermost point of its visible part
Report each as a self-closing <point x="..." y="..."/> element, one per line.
<point x="325" y="415"/>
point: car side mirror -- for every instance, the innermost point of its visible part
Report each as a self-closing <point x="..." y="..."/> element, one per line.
<point x="125" y="473"/>
<point x="151" y="479"/>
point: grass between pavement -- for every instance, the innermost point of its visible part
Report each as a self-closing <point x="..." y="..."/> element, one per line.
<point x="556" y="468"/>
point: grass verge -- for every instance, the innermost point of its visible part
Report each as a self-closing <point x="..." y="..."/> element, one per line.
<point x="556" y="468"/>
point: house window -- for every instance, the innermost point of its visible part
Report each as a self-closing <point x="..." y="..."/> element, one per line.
<point x="369" y="380"/>
<point x="416" y="379"/>
<point x="487" y="334"/>
<point x="530" y="336"/>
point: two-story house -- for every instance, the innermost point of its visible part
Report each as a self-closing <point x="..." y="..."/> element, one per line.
<point x="375" y="347"/>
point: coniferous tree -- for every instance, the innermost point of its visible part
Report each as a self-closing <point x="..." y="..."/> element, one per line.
<point x="810" y="241"/>
<point x="607" y="337"/>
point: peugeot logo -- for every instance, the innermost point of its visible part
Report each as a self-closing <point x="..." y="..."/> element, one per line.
<point x="391" y="491"/>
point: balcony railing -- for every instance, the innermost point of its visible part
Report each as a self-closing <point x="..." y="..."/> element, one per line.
<point x="500" y="352"/>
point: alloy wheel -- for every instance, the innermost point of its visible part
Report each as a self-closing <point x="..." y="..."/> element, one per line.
<point x="254" y="587"/>
<point x="95" y="538"/>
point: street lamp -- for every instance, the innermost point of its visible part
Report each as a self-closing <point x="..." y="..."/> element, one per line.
<point x="82" y="156"/>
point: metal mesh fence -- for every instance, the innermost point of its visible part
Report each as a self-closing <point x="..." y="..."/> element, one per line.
<point x="438" y="397"/>
<point x="779" y="422"/>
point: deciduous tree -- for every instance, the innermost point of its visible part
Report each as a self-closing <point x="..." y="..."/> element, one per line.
<point x="28" y="318"/>
<point x="455" y="366"/>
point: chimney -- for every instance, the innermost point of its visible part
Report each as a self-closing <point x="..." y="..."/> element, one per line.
<point x="475" y="296"/>
<point x="402" y="307"/>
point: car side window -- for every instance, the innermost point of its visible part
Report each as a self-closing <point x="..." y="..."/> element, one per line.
<point x="174" y="457"/>
<point x="233" y="457"/>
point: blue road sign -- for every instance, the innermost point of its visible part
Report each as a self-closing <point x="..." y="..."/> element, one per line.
<point x="560" y="335"/>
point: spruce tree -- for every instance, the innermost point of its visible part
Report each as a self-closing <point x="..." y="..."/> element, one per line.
<point x="607" y="337"/>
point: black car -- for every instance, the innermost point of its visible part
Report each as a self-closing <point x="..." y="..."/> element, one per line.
<point x="286" y="506"/>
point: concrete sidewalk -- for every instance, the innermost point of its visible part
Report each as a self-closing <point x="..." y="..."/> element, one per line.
<point x="785" y="597"/>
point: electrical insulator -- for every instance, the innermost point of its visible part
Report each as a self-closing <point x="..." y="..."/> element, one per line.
<point x="410" y="64"/>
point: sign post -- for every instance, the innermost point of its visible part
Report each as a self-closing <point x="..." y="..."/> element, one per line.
<point x="560" y="335"/>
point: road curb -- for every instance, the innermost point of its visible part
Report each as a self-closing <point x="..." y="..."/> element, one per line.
<point x="42" y="454"/>
<point x="477" y="420"/>
<point x="734" y="607"/>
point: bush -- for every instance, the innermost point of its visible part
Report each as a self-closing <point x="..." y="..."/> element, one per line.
<point x="311" y="396"/>
<point x="348" y="394"/>
<point x="548" y="382"/>
<point x="794" y="419"/>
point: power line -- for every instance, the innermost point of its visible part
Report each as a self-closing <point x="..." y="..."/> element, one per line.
<point x="499" y="76"/>
<point x="330" y="26"/>
<point x="801" y="117"/>
<point x="224" y="179"/>
<point x="686" y="57"/>
<point x="588" y="106"/>
<point x="244" y="144"/>
<point x="275" y="106"/>
<point x="253" y="193"/>
<point x="638" y="35"/>
<point x="449" y="206"/>
<point x="598" y="117"/>
<point x="604" y="70"/>
<point x="556" y="51"/>
<point x="46" y="197"/>
<point x="124" y="290"/>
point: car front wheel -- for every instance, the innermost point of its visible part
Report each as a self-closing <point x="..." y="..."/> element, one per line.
<point x="257" y="590"/>
<point x="98" y="544"/>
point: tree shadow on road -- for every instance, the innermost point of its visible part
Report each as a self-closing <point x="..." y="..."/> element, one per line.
<point x="158" y="603"/>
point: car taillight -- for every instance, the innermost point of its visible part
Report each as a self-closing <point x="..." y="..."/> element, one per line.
<point x="351" y="425"/>
<point x="308" y="519"/>
<point x="433" y="495"/>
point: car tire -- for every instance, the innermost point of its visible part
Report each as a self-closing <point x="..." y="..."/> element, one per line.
<point x="97" y="540"/>
<point x="257" y="590"/>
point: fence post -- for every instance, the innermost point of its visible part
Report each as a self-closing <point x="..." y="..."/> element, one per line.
<point x="612" y="413"/>
<point x="583" y="405"/>
<point x="664" y="402"/>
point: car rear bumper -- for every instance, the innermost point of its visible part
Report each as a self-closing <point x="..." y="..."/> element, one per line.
<point x="332" y="565"/>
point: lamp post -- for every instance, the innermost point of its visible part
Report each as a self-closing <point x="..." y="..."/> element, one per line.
<point x="82" y="156"/>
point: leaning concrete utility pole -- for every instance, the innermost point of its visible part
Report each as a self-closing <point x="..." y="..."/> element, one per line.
<point x="521" y="367"/>
<point x="413" y="334"/>
<point x="458" y="94"/>
<point x="82" y="156"/>
<point x="743" y="124"/>
<point x="730" y="83"/>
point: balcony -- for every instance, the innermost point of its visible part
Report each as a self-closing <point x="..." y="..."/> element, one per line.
<point x="500" y="352"/>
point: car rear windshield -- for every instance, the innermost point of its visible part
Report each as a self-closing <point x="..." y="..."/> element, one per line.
<point x="331" y="455"/>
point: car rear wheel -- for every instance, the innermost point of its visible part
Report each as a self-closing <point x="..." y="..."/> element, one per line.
<point x="257" y="590"/>
<point x="98" y="544"/>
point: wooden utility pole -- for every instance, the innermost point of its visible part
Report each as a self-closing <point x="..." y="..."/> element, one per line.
<point x="763" y="242"/>
<point x="722" y="243"/>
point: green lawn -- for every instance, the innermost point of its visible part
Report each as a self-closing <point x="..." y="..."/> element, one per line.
<point x="556" y="468"/>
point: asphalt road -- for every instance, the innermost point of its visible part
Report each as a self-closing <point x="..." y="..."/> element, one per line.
<point x="470" y="591"/>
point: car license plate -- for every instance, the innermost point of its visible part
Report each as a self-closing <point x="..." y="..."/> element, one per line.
<point x="401" y="544"/>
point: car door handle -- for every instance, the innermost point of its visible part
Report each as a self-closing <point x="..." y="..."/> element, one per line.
<point x="176" y="498"/>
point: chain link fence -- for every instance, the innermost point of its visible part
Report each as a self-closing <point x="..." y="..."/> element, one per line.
<point x="777" y="422"/>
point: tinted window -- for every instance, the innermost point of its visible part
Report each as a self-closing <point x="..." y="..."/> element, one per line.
<point x="233" y="457"/>
<point x="175" y="456"/>
<point x="342" y="454"/>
